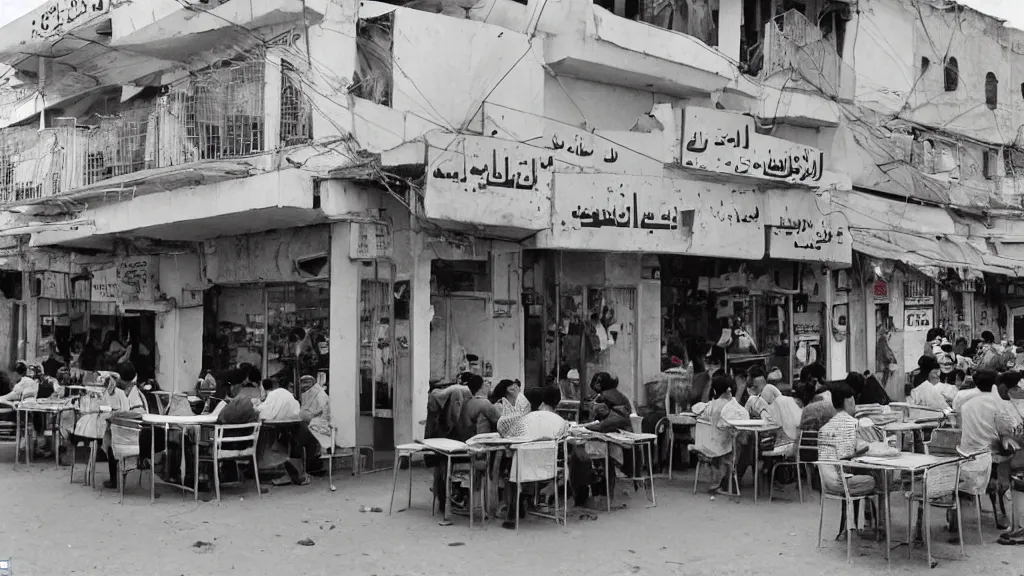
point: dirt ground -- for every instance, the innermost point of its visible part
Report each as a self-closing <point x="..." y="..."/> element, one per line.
<point x="52" y="527"/>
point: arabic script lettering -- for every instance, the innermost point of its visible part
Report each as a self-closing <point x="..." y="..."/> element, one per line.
<point x="627" y="214"/>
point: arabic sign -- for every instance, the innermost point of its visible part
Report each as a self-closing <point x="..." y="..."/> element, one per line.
<point x="728" y="143"/>
<point x="806" y="227"/>
<point x="131" y="280"/>
<point x="59" y="14"/>
<point x="625" y="213"/>
<point x="610" y="152"/>
<point x="917" y="319"/>
<point x="488" y="181"/>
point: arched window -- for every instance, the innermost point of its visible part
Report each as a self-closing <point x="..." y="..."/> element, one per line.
<point x="952" y="74"/>
<point x="991" y="91"/>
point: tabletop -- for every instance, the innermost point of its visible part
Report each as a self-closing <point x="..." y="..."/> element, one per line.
<point x="909" y="461"/>
<point x="42" y="406"/>
<point x="183" y="420"/>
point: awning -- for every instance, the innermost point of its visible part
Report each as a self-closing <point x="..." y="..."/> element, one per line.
<point x="931" y="253"/>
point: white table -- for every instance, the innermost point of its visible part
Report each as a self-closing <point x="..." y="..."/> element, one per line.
<point x="184" y="423"/>
<point x="758" y="427"/>
<point x="914" y="464"/>
<point x="55" y="407"/>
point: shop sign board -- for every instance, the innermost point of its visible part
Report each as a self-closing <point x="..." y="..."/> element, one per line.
<point x="622" y="213"/>
<point x="728" y="143"/>
<point x="806" y="227"/>
<point x="488" y="182"/>
<point x="918" y="318"/>
<point x="131" y="279"/>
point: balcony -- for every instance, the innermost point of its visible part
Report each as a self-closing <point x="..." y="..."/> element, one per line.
<point x="794" y="46"/>
<point x="212" y="122"/>
<point x="595" y="44"/>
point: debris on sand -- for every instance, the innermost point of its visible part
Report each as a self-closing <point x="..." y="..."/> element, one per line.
<point x="306" y="542"/>
<point x="202" y="546"/>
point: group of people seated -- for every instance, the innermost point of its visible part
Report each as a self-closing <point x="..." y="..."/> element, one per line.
<point x="471" y="407"/>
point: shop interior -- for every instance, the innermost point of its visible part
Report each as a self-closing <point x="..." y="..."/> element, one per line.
<point x="461" y="327"/>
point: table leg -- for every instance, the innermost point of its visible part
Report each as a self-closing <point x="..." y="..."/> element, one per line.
<point x="29" y="441"/>
<point x="910" y="519"/>
<point x="56" y="439"/>
<point x="17" y="436"/>
<point x="152" y="468"/>
<point x="195" y="463"/>
<point x="650" y="470"/>
<point x="607" y="477"/>
<point x="757" y="462"/>
<point x="448" y="491"/>
<point x="888" y="512"/>
<point x="926" y="527"/>
<point x="472" y="491"/>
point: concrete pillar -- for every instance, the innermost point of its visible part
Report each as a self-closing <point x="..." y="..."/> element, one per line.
<point x="730" y="18"/>
<point x="344" y="330"/>
<point x="419" y="319"/>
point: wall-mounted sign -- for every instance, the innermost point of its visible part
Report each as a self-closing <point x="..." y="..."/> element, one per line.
<point x="881" y="291"/>
<point x="918" y="318"/>
<point x="805" y="227"/>
<point x="623" y="213"/>
<point x="131" y="279"/>
<point x="727" y="143"/>
<point x="488" y="181"/>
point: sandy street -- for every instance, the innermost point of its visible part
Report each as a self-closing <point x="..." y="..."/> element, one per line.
<point x="53" y="527"/>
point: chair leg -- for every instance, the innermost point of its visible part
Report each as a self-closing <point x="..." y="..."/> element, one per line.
<point x="256" y="473"/>
<point x="408" y="458"/>
<point x="216" y="477"/>
<point x="121" y="476"/>
<point x="515" y="505"/>
<point x="671" y="448"/>
<point x="821" y="516"/>
<point x="71" y="451"/>
<point x="650" y="469"/>
<point x="959" y="523"/>
<point x="394" y="480"/>
<point x="849" y="532"/>
<point x="771" y="480"/>
<point x="799" y="485"/>
<point x="977" y="508"/>
<point x="696" y="476"/>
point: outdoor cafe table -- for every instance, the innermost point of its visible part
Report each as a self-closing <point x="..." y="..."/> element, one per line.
<point x="914" y="464"/>
<point x="758" y="427"/>
<point x="28" y="407"/>
<point x="185" y="424"/>
<point x="626" y="440"/>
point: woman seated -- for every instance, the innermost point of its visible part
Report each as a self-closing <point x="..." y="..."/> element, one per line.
<point x="784" y="412"/>
<point x="718" y="446"/>
<point x="611" y="408"/>
<point x="924" y="392"/>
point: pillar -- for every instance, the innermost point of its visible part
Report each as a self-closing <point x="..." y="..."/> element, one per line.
<point x="419" y="319"/>
<point x="730" y="18"/>
<point x="344" y="331"/>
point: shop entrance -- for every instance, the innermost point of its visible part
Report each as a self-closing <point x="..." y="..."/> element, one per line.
<point x="377" y="364"/>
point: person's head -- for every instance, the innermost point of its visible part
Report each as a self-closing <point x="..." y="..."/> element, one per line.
<point x="756" y="379"/>
<point x="946" y="364"/>
<point x="984" y="380"/>
<point x="573" y="376"/>
<point x="716" y="358"/>
<point x="306" y="382"/>
<point x="126" y="374"/>
<point x="269" y="384"/>
<point x="1010" y="379"/>
<point x="770" y="393"/>
<point x="855" y="381"/>
<point x="933" y="335"/>
<point x="21" y="369"/>
<point x="535" y="396"/>
<point x="551" y="398"/>
<point x="722" y="386"/>
<point x="507" y="389"/>
<point x="929" y="369"/>
<point x="603" y="381"/>
<point x="842" y="398"/>
<point x="818" y="374"/>
<point x="252" y="374"/>
<point x="988" y="337"/>
<point x="475" y="383"/>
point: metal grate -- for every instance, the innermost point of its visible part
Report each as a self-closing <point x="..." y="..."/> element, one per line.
<point x="224" y="113"/>
<point x="296" y="109"/>
<point x="795" y="43"/>
<point x="123" y="143"/>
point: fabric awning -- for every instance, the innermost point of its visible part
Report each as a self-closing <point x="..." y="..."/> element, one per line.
<point x="931" y="253"/>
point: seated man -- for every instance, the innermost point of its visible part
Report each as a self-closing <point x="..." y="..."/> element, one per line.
<point x="837" y="440"/>
<point x="279" y="406"/>
<point x="26" y="387"/>
<point x="478" y="414"/>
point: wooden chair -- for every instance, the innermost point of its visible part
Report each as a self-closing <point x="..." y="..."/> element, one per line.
<point x="239" y="446"/>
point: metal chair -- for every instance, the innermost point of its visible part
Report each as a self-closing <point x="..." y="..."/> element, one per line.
<point x="240" y="446"/>
<point x="846" y="497"/>
<point x="806" y="441"/>
<point x="542" y="467"/>
<point x="943" y="443"/>
<point x="701" y="435"/>
<point x="124" y="438"/>
<point x="942" y="483"/>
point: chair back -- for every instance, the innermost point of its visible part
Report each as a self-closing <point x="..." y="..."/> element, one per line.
<point x="943" y="442"/>
<point x="124" y="438"/>
<point x="235" y="440"/>
<point x="807" y="446"/>
<point x="702" y="436"/>
<point x="535" y="461"/>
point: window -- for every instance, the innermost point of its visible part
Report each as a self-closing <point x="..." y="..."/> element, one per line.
<point x="952" y="74"/>
<point x="925" y="64"/>
<point x="991" y="91"/>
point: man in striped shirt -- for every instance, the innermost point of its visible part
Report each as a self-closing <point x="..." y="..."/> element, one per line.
<point x="837" y="440"/>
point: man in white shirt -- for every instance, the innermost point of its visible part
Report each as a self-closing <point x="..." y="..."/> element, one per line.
<point x="26" y="387"/>
<point x="279" y="403"/>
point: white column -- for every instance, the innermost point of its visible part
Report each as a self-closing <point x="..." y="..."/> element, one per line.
<point x="419" y="319"/>
<point x="730" y="18"/>
<point x="344" y="330"/>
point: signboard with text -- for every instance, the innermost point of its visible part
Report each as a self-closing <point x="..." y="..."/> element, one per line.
<point x="806" y="227"/>
<point x="625" y="213"/>
<point x="727" y="143"/>
<point x="131" y="279"/>
<point x="918" y="318"/>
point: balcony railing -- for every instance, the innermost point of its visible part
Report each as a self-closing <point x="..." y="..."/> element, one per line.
<point x="794" y="44"/>
<point x="216" y="114"/>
